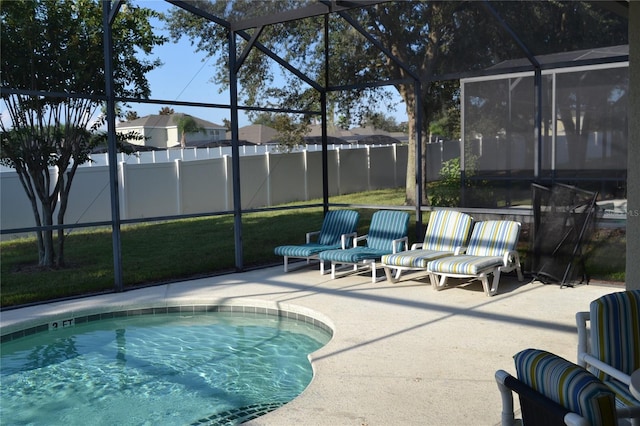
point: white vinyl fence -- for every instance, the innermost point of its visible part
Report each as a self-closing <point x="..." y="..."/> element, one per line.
<point x="191" y="186"/>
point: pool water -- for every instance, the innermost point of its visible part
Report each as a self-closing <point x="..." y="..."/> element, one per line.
<point x="169" y="369"/>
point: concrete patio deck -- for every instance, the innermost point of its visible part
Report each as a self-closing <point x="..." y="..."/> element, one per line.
<point x="401" y="354"/>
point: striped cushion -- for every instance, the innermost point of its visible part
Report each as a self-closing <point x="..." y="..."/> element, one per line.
<point x="624" y="398"/>
<point x="567" y="384"/>
<point x="413" y="258"/>
<point x="304" y="250"/>
<point x="335" y="224"/>
<point x="386" y="226"/>
<point x="464" y="264"/>
<point x="493" y="238"/>
<point x="352" y="255"/>
<point x="447" y="230"/>
<point x="615" y="331"/>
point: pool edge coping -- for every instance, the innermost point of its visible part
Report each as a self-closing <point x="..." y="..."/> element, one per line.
<point x="28" y="326"/>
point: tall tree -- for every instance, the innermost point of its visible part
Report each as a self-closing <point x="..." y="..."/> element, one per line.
<point x="53" y="47"/>
<point x="425" y="38"/>
<point x="353" y="58"/>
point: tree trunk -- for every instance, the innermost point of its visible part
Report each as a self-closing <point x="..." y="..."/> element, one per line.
<point x="408" y="95"/>
<point x="32" y="186"/>
<point x="410" y="183"/>
<point x="47" y="254"/>
<point x="64" y="181"/>
<point x="576" y="136"/>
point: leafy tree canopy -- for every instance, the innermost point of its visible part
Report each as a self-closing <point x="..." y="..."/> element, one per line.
<point x="56" y="46"/>
<point x="428" y="38"/>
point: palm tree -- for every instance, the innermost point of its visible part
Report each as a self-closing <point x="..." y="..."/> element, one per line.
<point x="187" y="124"/>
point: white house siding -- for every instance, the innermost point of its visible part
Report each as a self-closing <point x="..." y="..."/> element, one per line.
<point x="172" y="137"/>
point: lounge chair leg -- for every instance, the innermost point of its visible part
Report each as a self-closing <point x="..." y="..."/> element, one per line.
<point x="443" y="282"/>
<point x="333" y="270"/>
<point x="389" y="275"/>
<point x="434" y="281"/>
<point x="496" y="281"/>
<point x="286" y="263"/>
<point x="494" y="284"/>
<point x="438" y="284"/>
<point x="322" y="267"/>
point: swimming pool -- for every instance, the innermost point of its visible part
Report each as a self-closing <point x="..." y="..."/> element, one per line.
<point x="216" y="365"/>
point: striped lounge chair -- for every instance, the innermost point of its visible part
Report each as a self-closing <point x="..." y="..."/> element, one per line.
<point x="610" y="348"/>
<point x="447" y="234"/>
<point x="338" y="229"/>
<point x="491" y="250"/>
<point x="554" y="391"/>
<point x="387" y="234"/>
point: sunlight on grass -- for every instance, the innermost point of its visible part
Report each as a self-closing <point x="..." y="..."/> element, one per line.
<point x="188" y="248"/>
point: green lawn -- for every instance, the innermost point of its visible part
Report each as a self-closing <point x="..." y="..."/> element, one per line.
<point x="175" y="250"/>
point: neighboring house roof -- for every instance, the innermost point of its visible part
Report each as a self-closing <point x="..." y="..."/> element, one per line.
<point x="165" y="121"/>
<point x="332" y="131"/>
<point x="256" y="133"/>
<point x="365" y="135"/>
<point x="378" y="140"/>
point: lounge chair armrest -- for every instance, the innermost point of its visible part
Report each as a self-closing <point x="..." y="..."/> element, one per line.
<point x="416" y="246"/>
<point x="344" y="238"/>
<point x="583" y="336"/>
<point x="508" y="416"/>
<point x="399" y="243"/>
<point x="511" y="259"/>
<point x="507" y="384"/>
<point x="459" y="250"/>
<point x="360" y="238"/>
<point x="310" y="235"/>
<point x="604" y="367"/>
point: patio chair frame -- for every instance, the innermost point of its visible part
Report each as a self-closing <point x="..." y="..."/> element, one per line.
<point x="510" y="260"/>
<point x="335" y="223"/>
<point x="623" y="307"/>
<point x="365" y="256"/>
<point x="447" y="234"/>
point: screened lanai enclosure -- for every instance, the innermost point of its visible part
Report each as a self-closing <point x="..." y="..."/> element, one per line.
<point x="583" y="126"/>
<point x="495" y="96"/>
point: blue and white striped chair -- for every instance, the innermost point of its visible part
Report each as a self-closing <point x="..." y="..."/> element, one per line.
<point x="387" y="234"/>
<point x="447" y="234"/>
<point x="610" y="348"/>
<point x="554" y="391"/>
<point x="338" y="229"/>
<point x="491" y="250"/>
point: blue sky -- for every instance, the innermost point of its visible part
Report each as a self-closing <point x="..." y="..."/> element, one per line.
<point x="184" y="76"/>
